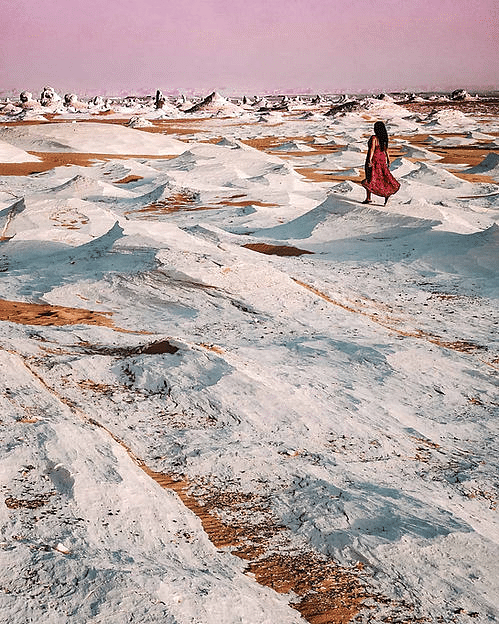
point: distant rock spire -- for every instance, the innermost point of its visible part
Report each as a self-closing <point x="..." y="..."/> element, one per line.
<point x="159" y="100"/>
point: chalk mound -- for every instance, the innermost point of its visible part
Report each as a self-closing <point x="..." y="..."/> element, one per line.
<point x="50" y="99"/>
<point x="27" y="101"/>
<point x="159" y="194"/>
<point x="337" y="219"/>
<point x="139" y="122"/>
<point x="10" y="109"/>
<point x="92" y="138"/>
<point x="343" y="107"/>
<point x="270" y="118"/>
<point x="350" y="156"/>
<point x="384" y="108"/>
<point x="489" y="166"/>
<point x="215" y="104"/>
<point x="479" y="136"/>
<point x="85" y="187"/>
<point x="454" y="141"/>
<point x="472" y="254"/>
<point x="293" y="146"/>
<point x="433" y="176"/>
<point x="401" y="167"/>
<point x="183" y="104"/>
<point x="228" y="143"/>
<point x="419" y="153"/>
<point x="344" y="187"/>
<point x="27" y="108"/>
<point x="168" y="111"/>
<point x="72" y="103"/>
<point x="310" y="116"/>
<point x="448" y="117"/>
<point x="11" y="154"/>
<point x="461" y="95"/>
<point x="97" y="102"/>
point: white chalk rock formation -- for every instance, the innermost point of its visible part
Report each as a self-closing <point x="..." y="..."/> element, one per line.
<point x="215" y="104"/>
<point x="139" y="122"/>
<point x="71" y="102"/>
<point x="460" y="95"/>
<point x="49" y="97"/>
<point x="159" y="100"/>
<point x="27" y="101"/>
<point x="10" y="109"/>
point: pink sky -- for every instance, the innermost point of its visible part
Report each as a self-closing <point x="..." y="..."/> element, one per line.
<point x="248" y="46"/>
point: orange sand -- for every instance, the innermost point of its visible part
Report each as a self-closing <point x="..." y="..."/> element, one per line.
<point x="45" y="314"/>
<point x="276" y="250"/>
<point x="326" y="592"/>
<point x="49" y="160"/>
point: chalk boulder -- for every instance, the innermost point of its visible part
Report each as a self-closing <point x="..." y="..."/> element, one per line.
<point x="139" y="122"/>
<point x="460" y="95"/>
<point x="27" y="101"/>
<point x="71" y="102"/>
<point x="49" y="97"/>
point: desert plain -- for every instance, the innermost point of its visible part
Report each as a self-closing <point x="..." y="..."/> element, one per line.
<point x="230" y="391"/>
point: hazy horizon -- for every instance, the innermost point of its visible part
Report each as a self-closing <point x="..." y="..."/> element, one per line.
<point x="192" y="93"/>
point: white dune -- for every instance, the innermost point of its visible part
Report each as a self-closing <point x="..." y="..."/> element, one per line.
<point x="435" y="177"/>
<point x="11" y="154"/>
<point x="93" y="138"/>
<point x="489" y="166"/>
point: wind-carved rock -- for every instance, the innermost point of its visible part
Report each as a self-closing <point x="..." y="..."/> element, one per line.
<point x="139" y="122"/>
<point x="160" y="99"/>
<point x="49" y="97"/>
<point x="27" y="101"/>
<point x="460" y="95"/>
<point x="70" y="99"/>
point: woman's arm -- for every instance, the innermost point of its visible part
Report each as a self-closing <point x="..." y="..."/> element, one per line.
<point x="373" y="141"/>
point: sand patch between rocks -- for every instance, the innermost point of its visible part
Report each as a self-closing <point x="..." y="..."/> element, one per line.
<point x="276" y="250"/>
<point x="51" y="160"/>
<point x="45" y="314"/>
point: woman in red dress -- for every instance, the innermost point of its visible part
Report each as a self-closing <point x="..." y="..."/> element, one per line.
<point x="379" y="180"/>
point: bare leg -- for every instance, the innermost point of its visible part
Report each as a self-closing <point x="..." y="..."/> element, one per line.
<point x="367" y="200"/>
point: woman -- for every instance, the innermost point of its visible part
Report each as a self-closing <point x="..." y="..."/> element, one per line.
<point x="379" y="180"/>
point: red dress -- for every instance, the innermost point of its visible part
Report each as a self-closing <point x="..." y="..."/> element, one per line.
<point x="379" y="180"/>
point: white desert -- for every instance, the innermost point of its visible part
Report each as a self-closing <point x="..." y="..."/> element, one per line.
<point x="230" y="391"/>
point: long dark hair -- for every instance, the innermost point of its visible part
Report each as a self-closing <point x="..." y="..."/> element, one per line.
<point x="381" y="134"/>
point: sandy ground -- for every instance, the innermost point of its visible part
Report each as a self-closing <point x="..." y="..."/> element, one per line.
<point x="44" y="314"/>
<point x="50" y="160"/>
